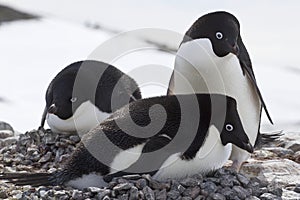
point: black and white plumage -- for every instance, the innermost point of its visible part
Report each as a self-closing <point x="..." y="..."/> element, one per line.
<point x="85" y="93"/>
<point x="212" y="58"/>
<point x="168" y="137"/>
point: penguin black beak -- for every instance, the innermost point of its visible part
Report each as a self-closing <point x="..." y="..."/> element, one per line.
<point x="248" y="147"/>
<point x="235" y="49"/>
<point x="52" y="109"/>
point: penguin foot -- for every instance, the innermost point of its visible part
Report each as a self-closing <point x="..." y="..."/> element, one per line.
<point x="236" y="165"/>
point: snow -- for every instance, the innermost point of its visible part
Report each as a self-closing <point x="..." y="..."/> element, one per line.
<point x="33" y="52"/>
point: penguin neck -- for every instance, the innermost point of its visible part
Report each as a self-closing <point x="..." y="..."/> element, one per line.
<point x="198" y="70"/>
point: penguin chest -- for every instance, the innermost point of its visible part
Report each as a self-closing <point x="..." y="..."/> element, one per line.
<point x="199" y="70"/>
<point x="212" y="155"/>
<point x="86" y="117"/>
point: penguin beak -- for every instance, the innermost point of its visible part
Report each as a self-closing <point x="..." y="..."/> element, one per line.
<point x="248" y="147"/>
<point x="52" y="109"/>
<point x="235" y="49"/>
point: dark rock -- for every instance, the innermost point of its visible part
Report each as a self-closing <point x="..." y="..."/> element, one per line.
<point x="75" y="138"/>
<point x="190" y="182"/>
<point x="243" y="179"/>
<point x="173" y="194"/>
<point x="148" y="193"/>
<point x="200" y="197"/>
<point x="161" y="195"/>
<point x="210" y="187"/>
<point x="175" y="185"/>
<point x="104" y="193"/>
<point x="274" y="189"/>
<point x="227" y="181"/>
<point x="228" y="192"/>
<point x="252" y="198"/>
<point x="141" y="183"/>
<point x="123" y="186"/>
<point x="269" y="196"/>
<point x="3" y="194"/>
<point x="213" y="179"/>
<point x="46" y="157"/>
<point x="295" y="147"/>
<point x="133" y="193"/>
<point x="192" y="192"/>
<point x="241" y="192"/>
<point x="158" y="185"/>
<point x="297" y="188"/>
<point x="217" y="196"/>
<point x="123" y="197"/>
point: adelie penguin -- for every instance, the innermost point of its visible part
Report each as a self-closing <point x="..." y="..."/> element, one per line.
<point x="167" y="137"/>
<point x="84" y="94"/>
<point x="213" y="58"/>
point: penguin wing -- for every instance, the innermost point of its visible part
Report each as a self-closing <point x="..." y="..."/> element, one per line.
<point x="150" y="159"/>
<point x="33" y="179"/>
<point x="246" y="66"/>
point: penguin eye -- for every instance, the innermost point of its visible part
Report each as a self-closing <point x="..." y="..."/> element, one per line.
<point x="73" y="99"/>
<point x="229" y="127"/>
<point x="219" y="35"/>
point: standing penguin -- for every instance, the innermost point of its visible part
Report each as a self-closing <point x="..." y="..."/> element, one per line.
<point x="84" y="94"/>
<point x="213" y="58"/>
<point x="168" y="137"/>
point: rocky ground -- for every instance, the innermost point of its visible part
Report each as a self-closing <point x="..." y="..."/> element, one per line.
<point x="273" y="172"/>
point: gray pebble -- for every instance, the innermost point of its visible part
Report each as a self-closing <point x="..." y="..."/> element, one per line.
<point x="161" y="195"/>
<point x="123" y="186"/>
<point x="175" y="185"/>
<point x="227" y="181"/>
<point x="192" y="192"/>
<point x="133" y="193"/>
<point x="269" y="196"/>
<point x="241" y="192"/>
<point x="189" y="182"/>
<point x="148" y="193"/>
<point x="123" y="197"/>
<point x="210" y="187"/>
<point x="243" y="179"/>
<point x="141" y="183"/>
<point x="217" y="196"/>
<point x="75" y="138"/>
<point x="252" y="198"/>
<point x="297" y="188"/>
<point x="173" y="194"/>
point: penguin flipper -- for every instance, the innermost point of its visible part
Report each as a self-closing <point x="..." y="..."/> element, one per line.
<point x="43" y="118"/>
<point x="250" y="73"/>
<point x="265" y="138"/>
<point x="150" y="160"/>
<point x="33" y="179"/>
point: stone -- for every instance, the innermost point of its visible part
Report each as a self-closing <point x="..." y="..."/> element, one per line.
<point x="133" y="193"/>
<point x="252" y="198"/>
<point x="189" y="182"/>
<point x="217" y="196"/>
<point x="148" y="193"/>
<point x="241" y="192"/>
<point x="210" y="187"/>
<point x="94" y="189"/>
<point x="269" y="196"/>
<point x="175" y="185"/>
<point x="280" y="151"/>
<point x="295" y="147"/>
<point x="283" y="171"/>
<point x="192" y="192"/>
<point x="46" y="157"/>
<point x="123" y="186"/>
<point x="132" y="177"/>
<point x="3" y="194"/>
<point x="297" y="188"/>
<point x="243" y="179"/>
<point x="227" y="181"/>
<point x="173" y="194"/>
<point x="228" y="192"/>
<point x="123" y="197"/>
<point x="161" y="195"/>
<point x="141" y="183"/>
<point x="104" y="193"/>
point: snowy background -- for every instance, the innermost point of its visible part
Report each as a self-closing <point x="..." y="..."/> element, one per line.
<point x="32" y="52"/>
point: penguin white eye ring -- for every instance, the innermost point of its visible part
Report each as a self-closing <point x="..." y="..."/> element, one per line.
<point x="73" y="99"/>
<point x="219" y="35"/>
<point x="229" y="127"/>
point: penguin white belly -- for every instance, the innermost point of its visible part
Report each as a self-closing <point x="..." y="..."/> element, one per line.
<point x="212" y="155"/>
<point x="196" y="66"/>
<point x="86" y="117"/>
<point x="89" y="180"/>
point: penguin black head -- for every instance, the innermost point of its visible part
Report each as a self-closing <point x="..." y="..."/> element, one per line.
<point x="232" y="130"/>
<point x="59" y="99"/>
<point x="221" y="28"/>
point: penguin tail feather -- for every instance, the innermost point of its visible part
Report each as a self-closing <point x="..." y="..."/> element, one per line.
<point x="267" y="138"/>
<point x="33" y="179"/>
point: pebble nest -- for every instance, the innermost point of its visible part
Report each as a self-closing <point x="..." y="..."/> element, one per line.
<point x="44" y="151"/>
